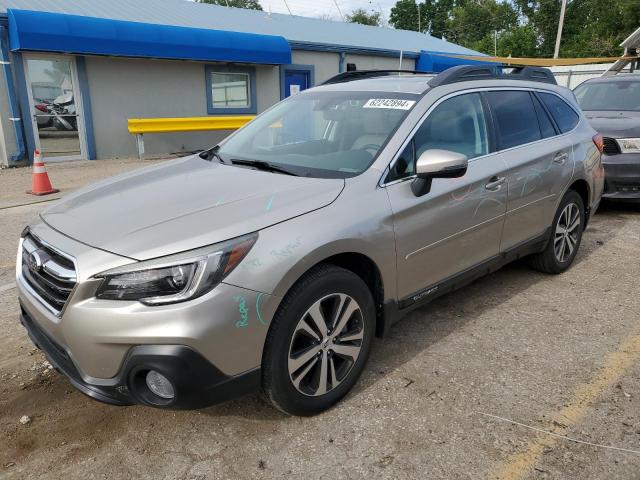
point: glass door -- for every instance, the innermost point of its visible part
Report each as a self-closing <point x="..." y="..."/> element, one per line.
<point x="55" y="106"/>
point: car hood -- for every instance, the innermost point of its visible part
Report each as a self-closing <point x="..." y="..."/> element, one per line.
<point x="184" y="204"/>
<point x="615" y="124"/>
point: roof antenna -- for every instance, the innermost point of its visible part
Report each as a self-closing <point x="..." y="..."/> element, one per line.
<point x="287" y="5"/>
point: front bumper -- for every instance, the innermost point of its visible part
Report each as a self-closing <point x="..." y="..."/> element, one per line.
<point x="622" y="176"/>
<point x="197" y="383"/>
<point x="99" y="345"/>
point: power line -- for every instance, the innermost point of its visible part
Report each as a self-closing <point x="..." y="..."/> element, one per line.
<point x="287" y="5"/>
<point x="335" y="2"/>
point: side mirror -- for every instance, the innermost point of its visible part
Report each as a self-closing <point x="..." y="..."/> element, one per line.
<point x="437" y="164"/>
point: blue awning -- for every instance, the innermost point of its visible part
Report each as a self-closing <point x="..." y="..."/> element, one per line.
<point x="438" y="62"/>
<point x="56" y="32"/>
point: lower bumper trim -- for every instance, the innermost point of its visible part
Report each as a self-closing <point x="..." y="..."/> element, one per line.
<point x="197" y="382"/>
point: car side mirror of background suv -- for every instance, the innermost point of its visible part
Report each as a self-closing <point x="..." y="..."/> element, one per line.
<point x="437" y="164"/>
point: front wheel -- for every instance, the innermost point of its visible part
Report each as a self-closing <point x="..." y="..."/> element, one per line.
<point x="319" y="341"/>
<point x="566" y="235"/>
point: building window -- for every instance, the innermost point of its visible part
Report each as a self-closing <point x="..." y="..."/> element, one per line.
<point x="230" y="89"/>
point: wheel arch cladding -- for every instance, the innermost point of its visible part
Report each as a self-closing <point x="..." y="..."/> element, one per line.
<point x="581" y="187"/>
<point x="369" y="272"/>
<point x="365" y="268"/>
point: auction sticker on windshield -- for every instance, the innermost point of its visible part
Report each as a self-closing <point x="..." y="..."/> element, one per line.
<point x="395" y="103"/>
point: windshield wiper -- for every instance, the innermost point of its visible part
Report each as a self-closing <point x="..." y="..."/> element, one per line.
<point x="211" y="154"/>
<point x="262" y="165"/>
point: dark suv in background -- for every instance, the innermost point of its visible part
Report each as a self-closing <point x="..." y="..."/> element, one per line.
<point x="612" y="105"/>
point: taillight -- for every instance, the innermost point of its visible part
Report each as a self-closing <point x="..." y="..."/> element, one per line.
<point x="598" y="141"/>
<point x="42" y="107"/>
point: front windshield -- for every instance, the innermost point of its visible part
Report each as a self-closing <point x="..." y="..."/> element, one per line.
<point x="321" y="134"/>
<point x="609" y="95"/>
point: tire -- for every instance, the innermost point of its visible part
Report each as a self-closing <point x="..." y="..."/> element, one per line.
<point x="296" y="350"/>
<point x="555" y="260"/>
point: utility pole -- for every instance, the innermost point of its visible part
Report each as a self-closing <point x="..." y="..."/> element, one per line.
<point x="495" y="43"/>
<point x="419" y="26"/>
<point x="562" y="10"/>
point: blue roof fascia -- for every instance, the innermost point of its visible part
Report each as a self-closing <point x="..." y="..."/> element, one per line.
<point x="439" y="61"/>
<point x="56" y="32"/>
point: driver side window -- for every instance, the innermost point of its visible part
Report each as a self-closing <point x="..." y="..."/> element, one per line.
<point x="457" y="124"/>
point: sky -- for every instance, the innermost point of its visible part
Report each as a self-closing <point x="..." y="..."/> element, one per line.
<point x="327" y="8"/>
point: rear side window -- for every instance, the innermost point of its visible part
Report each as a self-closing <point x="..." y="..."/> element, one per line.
<point x="515" y="118"/>
<point x="546" y="127"/>
<point x="566" y="118"/>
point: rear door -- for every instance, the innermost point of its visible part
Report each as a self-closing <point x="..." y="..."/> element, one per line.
<point x="539" y="160"/>
<point x="458" y="224"/>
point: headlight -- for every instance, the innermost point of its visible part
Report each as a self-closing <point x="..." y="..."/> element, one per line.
<point x="175" y="278"/>
<point x="629" y="145"/>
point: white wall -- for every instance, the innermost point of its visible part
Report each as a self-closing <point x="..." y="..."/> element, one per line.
<point x="573" y="75"/>
<point x="370" y="62"/>
<point x="327" y="64"/>
<point x="138" y="88"/>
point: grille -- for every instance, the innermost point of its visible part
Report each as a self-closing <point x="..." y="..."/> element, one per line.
<point x="611" y="147"/>
<point x="627" y="187"/>
<point x="49" y="273"/>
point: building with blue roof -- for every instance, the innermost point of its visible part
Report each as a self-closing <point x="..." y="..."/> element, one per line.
<point x="76" y="70"/>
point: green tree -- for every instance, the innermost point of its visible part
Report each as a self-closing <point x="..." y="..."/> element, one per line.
<point x="591" y="28"/>
<point x="360" y="15"/>
<point x="248" y="4"/>
<point x="524" y="28"/>
<point x="475" y="20"/>
<point x="434" y="16"/>
<point x="404" y="15"/>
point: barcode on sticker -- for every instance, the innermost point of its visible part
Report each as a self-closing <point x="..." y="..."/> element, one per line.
<point x="396" y="103"/>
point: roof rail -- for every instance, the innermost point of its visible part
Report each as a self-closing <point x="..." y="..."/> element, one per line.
<point x="534" y="74"/>
<point x="466" y="73"/>
<point x="361" y="74"/>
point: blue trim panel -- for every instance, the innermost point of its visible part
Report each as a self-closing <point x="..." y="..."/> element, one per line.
<point x="251" y="71"/>
<point x="11" y="95"/>
<point x="87" y="116"/>
<point x="56" y="32"/>
<point x="310" y="69"/>
<point x="427" y="62"/>
<point x="23" y="98"/>
<point x="327" y="47"/>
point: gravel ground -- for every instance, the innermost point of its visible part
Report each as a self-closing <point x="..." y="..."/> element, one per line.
<point x="557" y="353"/>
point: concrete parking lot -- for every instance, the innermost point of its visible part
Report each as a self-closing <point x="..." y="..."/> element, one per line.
<point x="520" y="375"/>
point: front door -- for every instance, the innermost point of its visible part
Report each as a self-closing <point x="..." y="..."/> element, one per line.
<point x="296" y="81"/>
<point x="458" y="224"/>
<point x="55" y="102"/>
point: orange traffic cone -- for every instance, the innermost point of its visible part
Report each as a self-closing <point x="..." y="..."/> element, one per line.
<point x="40" y="184"/>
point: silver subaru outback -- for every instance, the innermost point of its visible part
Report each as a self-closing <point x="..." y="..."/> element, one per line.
<point x="273" y="259"/>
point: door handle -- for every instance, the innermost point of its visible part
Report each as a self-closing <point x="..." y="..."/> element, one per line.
<point x="495" y="183"/>
<point x="560" y="158"/>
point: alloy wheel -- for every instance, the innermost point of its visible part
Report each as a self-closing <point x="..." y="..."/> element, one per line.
<point x="567" y="232"/>
<point x="325" y="344"/>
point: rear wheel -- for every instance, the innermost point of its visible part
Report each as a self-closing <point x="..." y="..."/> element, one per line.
<point x="319" y="341"/>
<point x="566" y="235"/>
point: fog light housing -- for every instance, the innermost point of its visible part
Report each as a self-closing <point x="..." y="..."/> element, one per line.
<point x="160" y="385"/>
